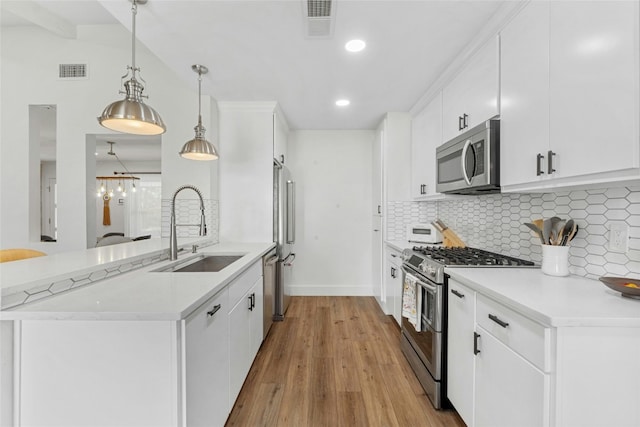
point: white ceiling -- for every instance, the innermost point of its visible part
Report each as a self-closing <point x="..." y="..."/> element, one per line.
<point x="257" y="50"/>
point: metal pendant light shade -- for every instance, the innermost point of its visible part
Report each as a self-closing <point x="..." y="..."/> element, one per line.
<point x="199" y="148"/>
<point x="132" y="115"/>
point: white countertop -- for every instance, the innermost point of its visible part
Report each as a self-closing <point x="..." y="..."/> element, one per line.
<point x="143" y="294"/>
<point x="400" y="245"/>
<point x="21" y="275"/>
<point x="554" y="301"/>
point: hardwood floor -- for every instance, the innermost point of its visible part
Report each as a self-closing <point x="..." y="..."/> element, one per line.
<point x="334" y="361"/>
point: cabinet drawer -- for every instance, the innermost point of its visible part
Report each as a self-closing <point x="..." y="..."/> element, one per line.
<point x="393" y="256"/>
<point x="243" y="283"/>
<point x="524" y="336"/>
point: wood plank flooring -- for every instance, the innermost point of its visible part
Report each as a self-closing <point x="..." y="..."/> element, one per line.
<point x="334" y="361"/>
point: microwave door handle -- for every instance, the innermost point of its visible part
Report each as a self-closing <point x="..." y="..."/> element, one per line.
<point x="463" y="159"/>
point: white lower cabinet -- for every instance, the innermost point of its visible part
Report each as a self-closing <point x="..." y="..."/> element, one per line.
<point x="498" y="362"/>
<point x="393" y="282"/>
<point x="509" y="391"/>
<point x="460" y="360"/>
<point x="140" y="372"/>
<point x="245" y="332"/>
<point x="206" y="350"/>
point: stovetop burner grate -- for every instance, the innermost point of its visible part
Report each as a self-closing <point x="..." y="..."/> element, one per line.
<point x="469" y="256"/>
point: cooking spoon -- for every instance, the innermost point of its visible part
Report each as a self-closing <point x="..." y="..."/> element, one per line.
<point x="546" y="231"/>
<point x="536" y="230"/>
<point x="567" y="232"/>
<point x="557" y="225"/>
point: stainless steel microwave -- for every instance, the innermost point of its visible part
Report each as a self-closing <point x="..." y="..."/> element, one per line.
<point x="470" y="163"/>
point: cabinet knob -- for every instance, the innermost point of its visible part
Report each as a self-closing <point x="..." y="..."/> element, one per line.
<point x="476" y="336"/>
<point x="214" y="310"/>
<point x="393" y="272"/>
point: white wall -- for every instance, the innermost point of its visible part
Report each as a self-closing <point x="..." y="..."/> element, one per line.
<point x="246" y="171"/>
<point x="29" y="67"/>
<point x="332" y="170"/>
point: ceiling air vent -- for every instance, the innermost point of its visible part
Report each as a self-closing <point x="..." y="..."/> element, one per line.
<point x="319" y="18"/>
<point x="72" y="71"/>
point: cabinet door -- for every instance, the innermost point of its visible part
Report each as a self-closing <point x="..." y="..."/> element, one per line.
<point x="426" y="136"/>
<point x="207" y="363"/>
<point x="376" y="169"/>
<point x="240" y="345"/>
<point x="397" y="156"/>
<point x="594" y="86"/>
<point x="509" y="391"/>
<point x="392" y="284"/>
<point x="524" y="116"/>
<point x="460" y="357"/>
<point x="376" y="261"/>
<point x="473" y="92"/>
<point x="257" y="318"/>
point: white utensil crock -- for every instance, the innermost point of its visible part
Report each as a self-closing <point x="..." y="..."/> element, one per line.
<point x="555" y="260"/>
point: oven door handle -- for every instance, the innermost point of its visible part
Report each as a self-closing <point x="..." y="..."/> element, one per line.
<point x="419" y="281"/>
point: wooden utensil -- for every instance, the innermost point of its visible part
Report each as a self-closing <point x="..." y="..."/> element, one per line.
<point x="449" y="238"/>
<point x="536" y="230"/>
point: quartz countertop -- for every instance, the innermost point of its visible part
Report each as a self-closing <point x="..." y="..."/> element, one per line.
<point x="143" y="294"/>
<point x="400" y="245"/>
<point x="21" y="275"/>
<point x="553" y="301"/>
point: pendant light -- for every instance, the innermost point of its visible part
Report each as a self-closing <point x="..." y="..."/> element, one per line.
<point x="132" y="115"/>
<point x="199" y="148"/>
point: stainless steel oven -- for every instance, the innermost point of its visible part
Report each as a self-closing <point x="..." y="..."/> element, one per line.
<point x="422" y="343"/>
<point x="425" y="290"/>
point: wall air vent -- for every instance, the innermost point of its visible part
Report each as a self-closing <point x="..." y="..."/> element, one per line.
<point x="319" y="18"/>
<point x="72" y="71"/>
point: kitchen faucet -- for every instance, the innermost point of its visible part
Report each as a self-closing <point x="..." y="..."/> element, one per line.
<point x="173" y="238"/>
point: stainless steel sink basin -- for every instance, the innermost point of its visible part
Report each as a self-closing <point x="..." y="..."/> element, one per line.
<point x="200" y="263"/>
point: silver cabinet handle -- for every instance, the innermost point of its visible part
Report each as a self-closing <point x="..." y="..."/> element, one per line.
<point x="214" y="310"/>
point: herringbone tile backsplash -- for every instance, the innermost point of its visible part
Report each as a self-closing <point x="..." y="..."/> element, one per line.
<point x="495" y="222"/>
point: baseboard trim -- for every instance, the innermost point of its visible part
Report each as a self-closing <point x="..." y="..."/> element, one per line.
<point x="331" y="290"/>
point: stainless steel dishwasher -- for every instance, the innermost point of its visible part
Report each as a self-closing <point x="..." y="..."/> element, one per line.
<point x="269" y="276"/>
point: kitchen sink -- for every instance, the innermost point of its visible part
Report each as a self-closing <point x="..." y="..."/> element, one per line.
<point x="200" y="264"/>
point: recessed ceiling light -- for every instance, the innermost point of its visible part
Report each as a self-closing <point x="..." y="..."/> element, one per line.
<point x="342" y="102"/>
<point x="355" y="45"/>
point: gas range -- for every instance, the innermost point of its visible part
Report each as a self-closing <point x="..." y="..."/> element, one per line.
<point x="430" y="261"/>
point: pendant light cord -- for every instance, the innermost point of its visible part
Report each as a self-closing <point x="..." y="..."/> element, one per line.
<point x="199" y="98"/>
<point x="134" y="11"/>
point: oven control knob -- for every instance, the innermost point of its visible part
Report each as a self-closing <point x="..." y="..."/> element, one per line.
<point x="429" y="269"/>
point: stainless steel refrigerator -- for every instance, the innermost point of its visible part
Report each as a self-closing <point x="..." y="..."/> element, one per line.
<point x="284" y="234"/>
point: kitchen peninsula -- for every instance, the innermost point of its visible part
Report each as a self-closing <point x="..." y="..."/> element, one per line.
<point x="161" y="347"/>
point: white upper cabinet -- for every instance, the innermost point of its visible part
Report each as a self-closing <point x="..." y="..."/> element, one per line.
<point x="426" y="136"/>
<point x="472" y="96"/>
<point x="376" y="167"/>
<point x="396" y="154"/>
<point x="594" y="86"/>
<point x="524" y="125"/>
<point x="570" y="91"/>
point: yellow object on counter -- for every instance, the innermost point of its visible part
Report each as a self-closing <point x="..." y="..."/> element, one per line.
<point x="7" y="255"/>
